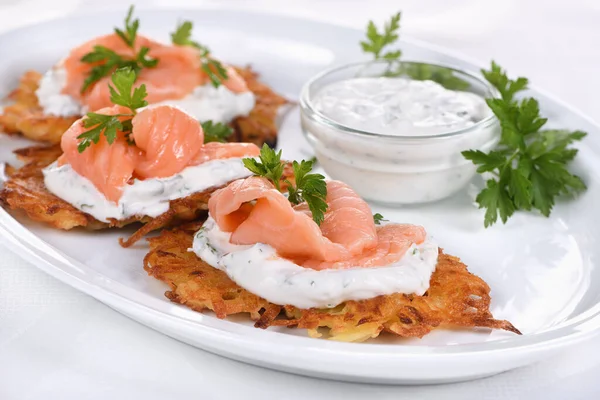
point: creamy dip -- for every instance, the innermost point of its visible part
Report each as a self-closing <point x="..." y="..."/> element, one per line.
<point x="400" y="160"/>
<point x="258" y="269"/>
<point x="205" y="103"/>
<point x="142" y="197"/>
<point x="399" y="106"/>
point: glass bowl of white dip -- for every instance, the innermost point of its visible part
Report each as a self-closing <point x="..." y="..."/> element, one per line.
<point x="394" y="139"/>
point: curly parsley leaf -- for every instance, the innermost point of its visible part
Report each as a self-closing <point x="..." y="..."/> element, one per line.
<point x="100" y="53"/>
<point x="100" y="124"/>
<point x="377" y="41"/>
<point x="122" y="93"/>
<point x="131" y="27"/>
<point x="183" y="37"/>
<point x="211" y="67"/>
<point x="310" y="188"/>
<point x="496" y="200"/>
<point x="106" y="61"/>
<point x="215" y="71"/>
<point x="143" y="60"/>
<point x="110" y="60"/>
<point x="218" y="132"/>
<point x="268" y="165"/>
<point x="442" y="75"/>
<point x="378" y="219"/>
<point x="529" y="169"/>
<point x="507" y="87"/>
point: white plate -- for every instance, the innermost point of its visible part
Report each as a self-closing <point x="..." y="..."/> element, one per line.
<point x="541" y="271"/>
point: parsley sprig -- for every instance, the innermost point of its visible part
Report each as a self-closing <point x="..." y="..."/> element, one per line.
<point x="310" y="188"/>
<point x="131" y="27"/>
<point x="377" y="43"/>
<point x="183" y="36"/>
<point x="105" y="60"/>
<point x="529" y="167"/>
<point x="378" y="219"/>
<point x="121" y="93"/>
<point x="268" y="165"/>
<point x="218" y="132"/>
<point x="213" y="68"/>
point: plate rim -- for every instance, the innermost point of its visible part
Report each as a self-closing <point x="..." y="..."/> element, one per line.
<point x="565" y="333"/>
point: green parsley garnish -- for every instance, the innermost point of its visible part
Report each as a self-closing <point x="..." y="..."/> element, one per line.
<point x="183" y="34"/>
<point x="443" y="76"/>
<point x="218" y="132"/>
<point x="378" y="219"/>
<point x="377" y="43"/>
<point x="108" y="61"/>
<point x="529" y="167"/>
<point x="213" y="68"/>
<point x="122" y="93"/>
<point x="269" y="165"/>
<point x="131" y="28"/>
<point x="507" y="87"/>
<point x="309" y="188"/>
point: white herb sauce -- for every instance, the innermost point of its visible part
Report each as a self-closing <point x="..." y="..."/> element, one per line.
<point x="204" y="103"/>
<point x="399" y="106"/>
<point x="258" y="269"/>
<point x="216" y="104"/>
<point x="143" y="197"/>
<point x="49" y="95"/>
<point x="400" y="160"/>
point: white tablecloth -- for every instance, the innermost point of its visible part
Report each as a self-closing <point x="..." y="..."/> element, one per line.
<point x="56" y="343"/>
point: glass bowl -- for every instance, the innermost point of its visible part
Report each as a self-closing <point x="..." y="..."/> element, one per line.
<point x="394" y="169"/>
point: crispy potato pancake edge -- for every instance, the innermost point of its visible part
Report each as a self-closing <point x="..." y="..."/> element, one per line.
<point x="25" y="115"/>
<point x="25" y="191"/>
<point x="456" y="298"/>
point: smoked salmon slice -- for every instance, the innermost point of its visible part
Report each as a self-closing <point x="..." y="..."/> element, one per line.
<point x="108" y="166"/>
<point x="175" y="76"/>
<point x="216" y="150"/>
<point x="253" y="211"/>
<point x="167" y="140"/>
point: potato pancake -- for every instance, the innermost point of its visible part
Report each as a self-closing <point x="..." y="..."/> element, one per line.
<point x="456" y="298"/>
<point x="25" y="116"/>
<point x="25" y="191"/>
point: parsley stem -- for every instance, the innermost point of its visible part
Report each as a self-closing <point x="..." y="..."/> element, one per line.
<point x="511" y="158"/>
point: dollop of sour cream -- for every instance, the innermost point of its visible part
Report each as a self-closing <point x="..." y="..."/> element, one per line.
<point x="216" y="104"/>
<point x="205" y="102"/>
<point x="148" y="197"/>
<point x="399" y="106"/>
<point x="51" y="98"/>
<point x="258" y="269"/>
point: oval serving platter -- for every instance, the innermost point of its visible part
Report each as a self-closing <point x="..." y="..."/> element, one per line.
<point x="541" y="270"/>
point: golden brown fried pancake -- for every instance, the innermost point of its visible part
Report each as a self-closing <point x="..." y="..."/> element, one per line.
<point x="456" y="298"/>
<point x="25" y="191"/>
<point x="260" y="126"/>
<point x="26" y="116"/>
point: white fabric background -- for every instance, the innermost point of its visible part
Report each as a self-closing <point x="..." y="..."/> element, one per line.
<point x="56" y="343"/>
